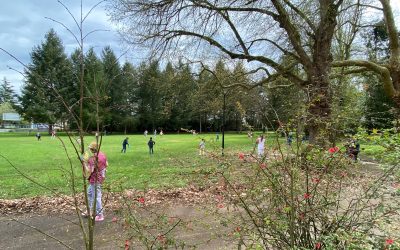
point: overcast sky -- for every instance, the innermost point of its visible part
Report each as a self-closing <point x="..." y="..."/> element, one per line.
<point x="23" y="25"/>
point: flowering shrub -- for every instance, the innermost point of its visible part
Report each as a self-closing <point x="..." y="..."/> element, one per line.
<point x="309" y="198"/>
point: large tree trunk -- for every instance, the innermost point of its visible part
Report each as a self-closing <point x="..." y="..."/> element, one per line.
<point x="319" y="116"/>
<point x="319" y="110"/>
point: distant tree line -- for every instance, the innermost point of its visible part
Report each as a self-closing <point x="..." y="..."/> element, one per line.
<point x="173" y="96"/>
<point x="132" y="99"/>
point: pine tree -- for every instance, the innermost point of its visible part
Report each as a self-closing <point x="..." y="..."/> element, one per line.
<point x="7" y="94"/>
<point x="115" y="91"/>
<point x="48" y="79"/>
<point x="96" y="93"/>
<point x="149" y="96"/>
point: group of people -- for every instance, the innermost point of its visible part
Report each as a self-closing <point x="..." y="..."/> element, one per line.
<point x="145" y="133"/>
<point x="96" y="164"/>
<point x="150" y="143"/>
<point x="352" y="146"/>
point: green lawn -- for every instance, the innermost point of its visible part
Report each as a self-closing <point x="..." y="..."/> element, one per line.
<point x="175" y="161"/>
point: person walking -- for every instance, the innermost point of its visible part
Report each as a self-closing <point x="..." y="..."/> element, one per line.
<point x="96" y="166"/>
<point x="260" y="146"/>
<point x="38" y="136"/>
<point x="145" y="133"/>
<point x="202" y="147"/>
<point x="124" y="143"/>
<point x="151" y="145"/>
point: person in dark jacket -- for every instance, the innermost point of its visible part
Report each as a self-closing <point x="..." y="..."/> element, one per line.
<point x="124" y="144"/>
<point x="353" y="149"/>
<point x="151" y="144"/>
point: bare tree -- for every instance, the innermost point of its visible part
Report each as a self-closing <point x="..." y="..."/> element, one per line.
<point x="388" y="71"/>
<point x="258" y="32"/>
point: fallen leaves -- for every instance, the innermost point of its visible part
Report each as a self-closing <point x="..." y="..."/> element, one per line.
<point x="112" y="201"/>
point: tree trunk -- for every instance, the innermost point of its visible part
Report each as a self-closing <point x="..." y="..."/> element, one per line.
<point x="319" y="113"/>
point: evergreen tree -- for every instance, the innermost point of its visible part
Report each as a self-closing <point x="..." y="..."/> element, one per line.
<point x="378" y="106"/>
<point x="114" y="90"/>
<point x="128" y="99"/>
<point x="7" y="94"/>
<point x="96" y="93"/>
<point x="48" y="80"/>
<point x="149" y="96"/>
<point x="176" y="89"/>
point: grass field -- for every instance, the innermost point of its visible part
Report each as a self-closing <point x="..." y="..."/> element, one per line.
<point x="174" y="164"/>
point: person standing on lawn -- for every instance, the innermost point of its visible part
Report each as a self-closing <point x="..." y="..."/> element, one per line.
<point x="260" y="145"/>
<point x="151" y="144"/>
<point x="124" y="143"/>
<point x="96" y="167"/>
<point x="202" y="147"/>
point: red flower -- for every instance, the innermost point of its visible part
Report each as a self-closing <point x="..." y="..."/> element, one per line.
<point x="389" y="241"/>
<point x="333" y="150"/>
<point x="141" y="200"/>
<point x="263" y="166"/>
<point x="114" y="219"/>
<point x="161" y="239"/>
<point x="241" y="156"/>
<point x="307" y="196"/>
<point x="315" y="180"/>
<point x="238" y="229"/>
<point x="318" y="245"/>
<point x="220" y="205"/>
<point x="127" y="244"/>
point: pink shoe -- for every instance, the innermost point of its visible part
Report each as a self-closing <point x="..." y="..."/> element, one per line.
<point x="99" y="217"/>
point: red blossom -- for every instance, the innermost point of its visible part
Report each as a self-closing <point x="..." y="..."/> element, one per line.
<point x="127" y="244"/>
<point x="161" y="239"/>
<point x="333" y="150"/>
<point x="238" y="229"/>
<point x="307" y="196"/>
<point x="141" y="200"/>
<point x="389" y="241"/>
<point x="318" y="245"/>
<point x="241" y="156"/>
<point x="114" y="219"/>
<point x="316" y="180"/>
<point x="220" y="205"/>
<point x="263" y="166"/>
<point x="396" y="185"/>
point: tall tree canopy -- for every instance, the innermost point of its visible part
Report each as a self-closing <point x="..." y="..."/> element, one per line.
<point x="262" y="32"/>
<point x="48" y="79"/>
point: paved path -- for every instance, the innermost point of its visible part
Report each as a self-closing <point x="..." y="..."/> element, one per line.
<point x="17" y="235"/>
